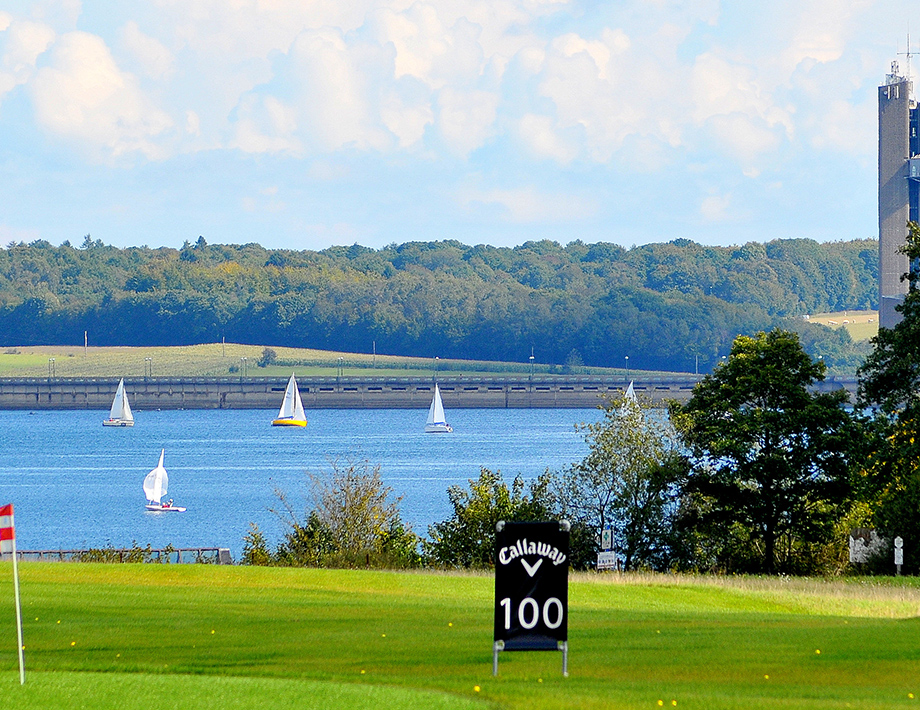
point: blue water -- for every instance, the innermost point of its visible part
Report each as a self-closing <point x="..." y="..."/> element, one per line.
<point x="76" y="484"/>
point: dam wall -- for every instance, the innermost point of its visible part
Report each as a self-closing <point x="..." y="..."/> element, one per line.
<point x="347" y="392"/>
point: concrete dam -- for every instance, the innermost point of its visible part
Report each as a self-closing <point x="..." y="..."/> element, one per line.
<point x="521" y="392"/>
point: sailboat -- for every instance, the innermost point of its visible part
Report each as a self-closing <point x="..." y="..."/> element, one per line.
<point x="436" y="423"/>
<point x="630" y="395"/>
<point x="155" y="484"/>
<point x="120" y="414"/>
<point x="291" y="412"/>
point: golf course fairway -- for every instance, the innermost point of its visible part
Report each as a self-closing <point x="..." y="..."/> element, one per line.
<point x="201" y="636"/>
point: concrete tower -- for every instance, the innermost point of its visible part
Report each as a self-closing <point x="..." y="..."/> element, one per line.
<point x="898" y="187"/>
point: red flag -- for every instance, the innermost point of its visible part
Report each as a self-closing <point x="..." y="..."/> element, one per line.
<point x="7" y="531"/>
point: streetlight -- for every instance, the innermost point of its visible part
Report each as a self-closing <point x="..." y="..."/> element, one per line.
<point x="436" y="366"/>
<point x="50" y="367"/>
<point x="531" y="367"/>
<point x="340" y="367"/>
<point x="627" y="368"/>
<point x="148" y="366"/>
<point x="243" y="367"/>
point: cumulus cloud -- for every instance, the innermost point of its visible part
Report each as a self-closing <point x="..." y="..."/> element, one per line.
<point x="466" y="118"/>
<point x="335" y="91"/>
<point x="82" y="95"/>
<point x="698" y="90"/>
<point x="21" y="43"/>
<point x="155" y="60"/>
<point x="540" y="136"/>
<point x="266" y="125"/>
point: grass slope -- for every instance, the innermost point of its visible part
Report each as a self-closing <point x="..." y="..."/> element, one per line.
<point x="227" y="360"/>
<point x="124" y="635"/>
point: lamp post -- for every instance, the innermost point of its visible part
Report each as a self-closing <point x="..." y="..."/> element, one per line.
<point x="627" y="368"/>
<point x="531" y="367"/>
<point x="148" y="367"/>
<point x="50" y="368"/>
<point x="243" y="367"/>
<point x="340" y="367"/>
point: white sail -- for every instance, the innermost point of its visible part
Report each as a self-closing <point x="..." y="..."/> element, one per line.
<point x="156" y="482"/>
<point x="630" y="395"/>
<point x="436" y="422"/>
<point x="120" y="414"/>
<point x="291" y="411"/>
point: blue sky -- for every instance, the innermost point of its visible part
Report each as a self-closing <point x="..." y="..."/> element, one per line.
<point x="306" y="123"/>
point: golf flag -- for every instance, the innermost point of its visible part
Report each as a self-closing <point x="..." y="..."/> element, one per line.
<point x="8" y="545"/>
<point x="7" y="531"/>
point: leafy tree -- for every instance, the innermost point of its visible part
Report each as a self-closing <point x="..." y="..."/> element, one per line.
<point x="269" y="357"/>
<point x="352" y="521"/>
<point x="487" y="303"/>
<point x="889" y="381"/>
<point x="255" y="548"/>
<point x="467" y="538"/>
<point x="770" y="456"/>
<point x="628" y="481"/>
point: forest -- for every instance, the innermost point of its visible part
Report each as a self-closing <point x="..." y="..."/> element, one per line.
<point x="673" y="306"/>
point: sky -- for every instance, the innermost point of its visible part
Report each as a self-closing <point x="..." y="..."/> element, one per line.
<point x="302" y="124"/>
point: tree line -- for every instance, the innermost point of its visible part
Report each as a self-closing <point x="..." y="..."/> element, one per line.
<point x="756" y="473"/>
<point x="671" y="306"/>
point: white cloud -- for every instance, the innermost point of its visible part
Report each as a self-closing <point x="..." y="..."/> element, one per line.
<point x="639" y="91"/>
<point x="427" y="48"/>
<point x="335" y="91"/>
<point x="529" y="205"/>
<point x="82" y="95"/>
<point x="266" y="125"/>
<point x="714" y="208"/>
<point x="155" y="59"/>
<point x="538" y="134"/>
<point x="406" y="121"/>
<point x="466" y="119"/>
<point x="22" y="42"/>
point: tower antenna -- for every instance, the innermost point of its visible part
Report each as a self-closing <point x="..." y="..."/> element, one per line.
<point x="908" y="54"/>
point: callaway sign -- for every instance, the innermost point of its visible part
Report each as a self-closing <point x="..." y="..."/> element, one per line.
<point x="531" y="586"/>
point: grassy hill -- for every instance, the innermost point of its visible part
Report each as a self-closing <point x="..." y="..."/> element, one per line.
<point x="230" y="359"/>
<point x="861" y="325"/>
<point x="114" y="636"/>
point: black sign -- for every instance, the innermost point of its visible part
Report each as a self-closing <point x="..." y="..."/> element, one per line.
<point x="531" y="586"/>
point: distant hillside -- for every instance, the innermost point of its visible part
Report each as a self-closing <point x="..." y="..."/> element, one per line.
<point x="674" y="306"/>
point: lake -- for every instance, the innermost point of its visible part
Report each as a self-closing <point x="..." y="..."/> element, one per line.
<point x="76" y="484"/>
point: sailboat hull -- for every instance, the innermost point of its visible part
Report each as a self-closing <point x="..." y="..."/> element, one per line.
<point x="117" y="422"/>
<point x="289" y="422"/>
<point x="157" y="508"/>
<point x="438" y="428"/>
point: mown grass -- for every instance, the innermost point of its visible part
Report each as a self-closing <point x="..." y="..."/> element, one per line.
<point x="267" y="636"/>
<point x="227" y="360"/>
<point x="861" y="325"/>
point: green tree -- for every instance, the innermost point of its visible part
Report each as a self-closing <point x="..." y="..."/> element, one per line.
<point x="352" y="520"/>
<point x="269" y="357"/>
<point x="770" y="455"/>
<point x="255" y="548"/>
<point x="889" y="382"/>
<point x="628" y="481"/>
<point x="467" y="538"/>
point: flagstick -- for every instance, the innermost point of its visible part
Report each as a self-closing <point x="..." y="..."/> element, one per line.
<point x="22" y="662"/>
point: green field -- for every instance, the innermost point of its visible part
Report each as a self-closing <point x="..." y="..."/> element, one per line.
<point x="861" y="325"/>
<point x="139" y="636"/>
<point x="232" y="359"/>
